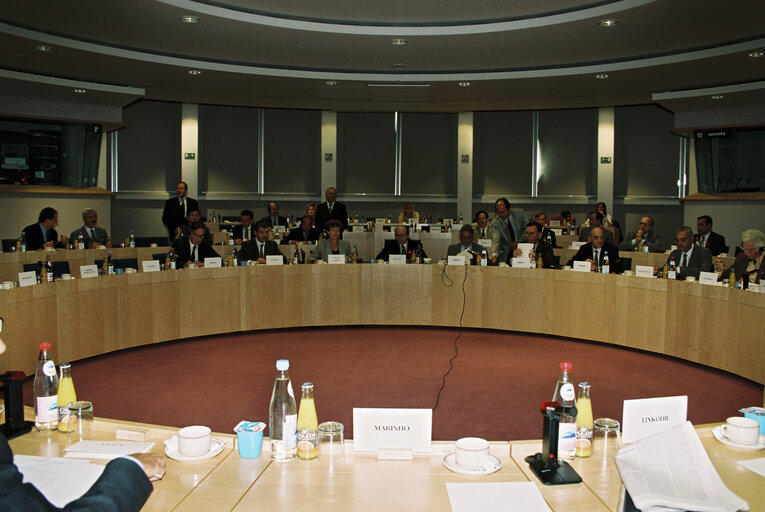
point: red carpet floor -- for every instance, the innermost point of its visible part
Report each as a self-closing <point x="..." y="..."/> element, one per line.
<point x="494" y="391"/>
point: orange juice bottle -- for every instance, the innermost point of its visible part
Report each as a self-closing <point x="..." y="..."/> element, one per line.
<point x="66" y="394"/>
<point x="307" y="425"/>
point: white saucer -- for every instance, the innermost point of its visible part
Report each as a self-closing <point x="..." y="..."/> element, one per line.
<point x="451" y="464"/>
<point x="717" y="432"/>
<point x="171" y="450"/>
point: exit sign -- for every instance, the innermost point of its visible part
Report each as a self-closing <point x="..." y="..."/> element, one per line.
<point x="189" y="156"/>
<point x="605" y="159"/>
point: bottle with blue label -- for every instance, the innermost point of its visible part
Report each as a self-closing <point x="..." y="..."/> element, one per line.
<point x="46" y="390"/>
<point x="565" y="394"/>
<point x="282" y="415"/>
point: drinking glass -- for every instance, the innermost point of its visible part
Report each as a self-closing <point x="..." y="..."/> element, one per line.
<point x="331" y="438"/>
<point x="605" y="439"/>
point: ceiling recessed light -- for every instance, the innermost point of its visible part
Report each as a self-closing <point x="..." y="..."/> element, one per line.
<point x="601" y="76"/>
<point x="717" y="97"/>
<point x="194" y="72"/>
<point x="80" y="91"/>
<point x="608" y="23"/>
<point x="43" y="48"/>
<point x="756" y="55"/>
<point x="464" y="84"/>
<point x="188" y="19"/>
<point x="398" y="42"/>
<point x="331" y="82"/>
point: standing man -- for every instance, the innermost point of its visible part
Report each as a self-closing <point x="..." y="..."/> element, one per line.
<point x="708" y="238"/>
<point x="506" y="227"/>
<point x="645" y="236"/>
<point x="245" y="230"/>
<point x="540" y="248"/>
<point x="193" y="248"/>
<point x="401" y="245"/>
<point x="43" y="234"/>
<point x="92" y="234"/>
<point x="273" y="218"/>
<point x="689" y="257"/>
<point x="331" y="209"/>
<point x="177" y="208"/>
<point x="261" y="246"/>
<point x="594" y="251"/>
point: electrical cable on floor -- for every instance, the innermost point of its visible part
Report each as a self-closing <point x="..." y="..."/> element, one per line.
<point x="459" y="333"/>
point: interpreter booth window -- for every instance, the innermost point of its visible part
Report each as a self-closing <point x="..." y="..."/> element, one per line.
<point x="502" y="153"/>
<point x="567" y="142"/>
<point x="647" y="156"/>
<point x="730" y="160"/>
<point x="291" y="151"/>
<point x="366" y="152"/>
<point x="35" y="153"/>
<point x="428" y="154"/>
<point x="228" y="149"/>
<point x="149" y="146"/>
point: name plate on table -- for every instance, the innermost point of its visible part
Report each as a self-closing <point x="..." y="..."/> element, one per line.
<point x="394" y="429"/>
<point x="582" y="266"/>
<point x="644" y="271"/>
<point x="486" y="242"/>
<point x="150" y="265"/>
<point x="336" y="259"/>
<point x="280" y="229"/>
<point x="557" y="231"/>
<point x="27" y="278"/>
<point x="708" y="278"/>
<point x="646" y="416"/>
<point x="213" y="262"/>
<point x="274" y="259"/>
<point x="397" y="259"/>
<point x="455" y="260"/>
<point x="521" y="262"/>
<point x="88" y="271"/>
<point x="554" y="223"/>
<point x="358" y="229"/>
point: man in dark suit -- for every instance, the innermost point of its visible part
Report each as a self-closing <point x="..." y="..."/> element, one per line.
<point x="749" y="262"/>
<point x="193" y="247"/>
<point x="245" y="230"/>
<point x="195" y="216"/>
<point x="541" y="249"/>
<point x="305" y="233"/>
<point x="644" y="237"/>
<point x="547" y="234"/>
<point x="261" y="246"/>
<point x="43" y="234"/>
<point x="466" y="244"/>
<point x="595" y="251"/>
<point x="331" y="209"/>
<point x="92" y="234"/>
<point x="402" y="244"/>
<point x="595" y="220"/>
<point x="708" y="238"/>
<point x="689" y="258"/>
<point x="177" y="208"/>
<point x="273" y="218"/>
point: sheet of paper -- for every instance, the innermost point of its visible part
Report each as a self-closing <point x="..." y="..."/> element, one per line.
<point x="756" y="465"/>
<point x="478" y="497"/>
<point x="105" y="449"/>
<point x="60" y="480"/>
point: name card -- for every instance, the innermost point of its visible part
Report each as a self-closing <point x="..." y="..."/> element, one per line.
<point x="213" y="262"/>
<point x="274" y="259"/>
<point x="521" y="262"/>
<point x="708" y="278"/>
<point x="486" y="242"/>
<point x="557" y="231"/>
<point x="397" y="259"/>
<point x="582" y="266"/>
<point x="644" y="271"/>
<point x="554" y="223"/>
<point x="646" y="416"/>
<point x="88" y="271"/>
<point x="358" y="229"/>
<point x="336" y="259"/>
<point x="280" y="229"/>
<point x="150" y="265"/>
<point x="381" y="429"/>
<point x="455" y="260"/>
<point x="27" y="278"/>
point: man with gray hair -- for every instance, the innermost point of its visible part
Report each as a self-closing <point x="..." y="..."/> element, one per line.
<point x="92" y="234"/>
<point x="749" y="261"/>
<point x="690" y="259"/>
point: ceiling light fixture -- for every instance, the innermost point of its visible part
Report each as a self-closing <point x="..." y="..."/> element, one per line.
<point x="608" y="23"/>
<point x="601" y="76"/>
<point x="194" y="72"/>
<point x="398" y="42"/>
<point x="188" y="19"/>
<point x="331" y="82"/>
<point x="756" y="55"/>
<point x="80" y="91"/>
<point x="44" y="48"/>
<point x="464" y="84"/>
<point x="717" y="97"/>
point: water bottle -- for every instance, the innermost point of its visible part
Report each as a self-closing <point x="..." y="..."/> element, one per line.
<point x="484" y="257"/>
<point x="109" y="263"/>
<point x="132" y="238"/>
<point x="565" y="394"/>
<point x="231" y="237"/>
<point x="46" y="390"/>
<point x="672" y="273"/>
<point x="81" y="241"/>
<point x="645" y="246"/>
<point x="606" y="268"/>
<point x="23" y="241"/>
<point x="282" y="415"/>
<point x="48" y="269"/>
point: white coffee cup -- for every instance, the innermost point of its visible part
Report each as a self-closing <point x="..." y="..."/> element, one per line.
<point x="194" y="441"/>
<point x="740" y="430"/>
<point x="690" y="279"/>
<point x="130" y="270"/>
<point x="66" y="277"/>
<point x="471" y="452"/>
<point x="7" y="285"/>
<point x="629" y="273"/>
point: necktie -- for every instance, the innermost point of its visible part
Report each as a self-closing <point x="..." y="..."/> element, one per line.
<point x="597" y="255"/>
<point x="274" y="221"/>
<point x="510" y="230"/>
<point x="403" y="249"/>
<point x="194" y="253"/>
<point x="92" y="235"/>
<point x="685" y="260"/>
<point x="330" y="208"/>
<point x="483" y="232"/>
<point x="183" y="205"/>
<point x="261" y="249"/>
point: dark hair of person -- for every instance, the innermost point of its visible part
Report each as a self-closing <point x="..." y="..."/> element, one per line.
<point x="262" y="224"/>
<point x="503" y="200"/>
<point x="46" y="213"/>
<point x="479" y="212"/>
<point x="197" y="224"/>
<point x="333" y="223"/>
<point x="247" y="213"/>
<point x="467" y="228"/>
<point x="535" y="223"/>
<point x="405" y="226"/>
<point x="191" y="210"/>
<point x="605" y="208"/>
<point x="706" y="218"/>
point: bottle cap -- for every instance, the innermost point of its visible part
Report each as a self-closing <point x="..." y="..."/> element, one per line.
<point x="65" y="365"/>
<point x="283" y="365"/>
<point x="307" y="385"/>
<point x="584" y="385"/>
<point x="44" y="345"/>
<point x="566" y="366"/>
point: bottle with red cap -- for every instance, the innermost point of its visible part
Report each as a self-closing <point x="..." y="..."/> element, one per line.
<point x="46" y="390"/>
<point x="565" y="394"/>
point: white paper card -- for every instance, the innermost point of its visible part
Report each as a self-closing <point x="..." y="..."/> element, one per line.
<point x="375" y="429"/>
<point x="358" y="229"/>
<point x="554" y="223"/>
<point x="708" y="278"/>
<point x="274" y="259"/>
<point x="525" y="248"/>
<point x="486" y="242"/>
<point x="280" y="229"/>
<point x="469" y="497"/>
<point x="27" y="278"/>
<point x="213" y="262"/>
<point x="88" y="271"/>
<point x="644" y="271"/>
<point x="582" y="266"/>
<point x="336" y="259"/>
<point x="646" y="416"/>
<point x="521" y="262"/>
<point x="150" y="265"/>
<point x="558" y="232"/>
<point x="397" y="259"/>
<point x="455" y="260"/>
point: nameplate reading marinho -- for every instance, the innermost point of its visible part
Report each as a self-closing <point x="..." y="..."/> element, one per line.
<point x="381" y="429"/>
<point x="646" y="416"/>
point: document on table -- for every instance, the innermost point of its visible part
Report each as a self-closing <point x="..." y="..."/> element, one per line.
<point x="59" y="480"/>
<point x="756" y="465"/>
<point x="475" y="497"/>
<point x="105" y="449"/>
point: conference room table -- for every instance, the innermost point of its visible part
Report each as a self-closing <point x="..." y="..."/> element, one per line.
<point x="359" y="481"/>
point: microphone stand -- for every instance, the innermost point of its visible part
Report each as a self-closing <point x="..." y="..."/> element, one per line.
<point x="546" y="465"/>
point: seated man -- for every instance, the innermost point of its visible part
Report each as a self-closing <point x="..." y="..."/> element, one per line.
<point x="594" y="252"/>
<point x="261" y="246"/>
<point x="273" y="218"/>
<point x="92" y="235"/>
<point x="43" y="234"/>
<point x="645" y="236"/>
<point x="245" y="230"/>
<point x="193" y="248"/>
<point x="548" y="235"/>
<point x="565" y="218"/>
<point x="749" y="261"/>
<point x="401" y="245"/>
<point x="467" y="244"/>
<point x="689" y="258"/>
<point x="595" y="220"/>
<point x="196" y="216"/>
<point x="408" y="215"/>
<point x="708" y="238"/>
<point x="541" y="249"/>
<point x="305" y="233"/>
